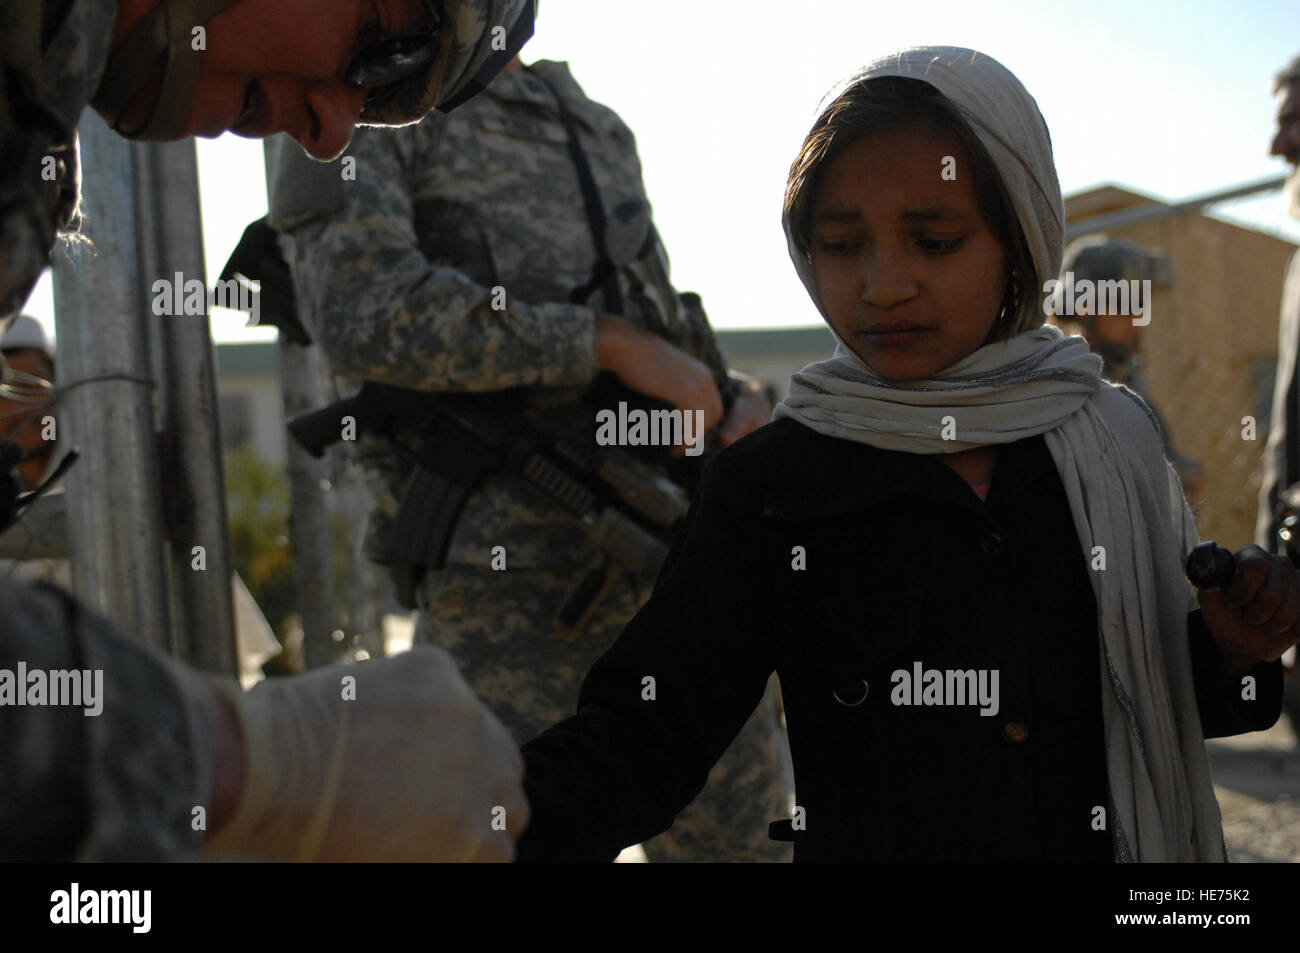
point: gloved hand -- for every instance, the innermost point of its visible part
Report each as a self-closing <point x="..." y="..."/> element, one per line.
<point x="393" y="759"/>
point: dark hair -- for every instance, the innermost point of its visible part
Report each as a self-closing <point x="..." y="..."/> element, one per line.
<point x="895" y="102"/>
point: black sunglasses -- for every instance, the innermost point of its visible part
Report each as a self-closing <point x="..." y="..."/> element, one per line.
<point x="399" y="56"/>
<point x="383" y="65"/>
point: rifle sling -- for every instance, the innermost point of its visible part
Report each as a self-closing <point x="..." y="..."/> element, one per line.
<point x="604" y="274"/>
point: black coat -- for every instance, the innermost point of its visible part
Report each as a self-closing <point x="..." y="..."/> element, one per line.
<point x="902" y="564"/>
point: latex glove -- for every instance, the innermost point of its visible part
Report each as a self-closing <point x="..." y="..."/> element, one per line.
<point x="393" y="759"/>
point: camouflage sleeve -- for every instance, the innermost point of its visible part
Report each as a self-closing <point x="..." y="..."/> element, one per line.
<point x="689" y="329"/>
<point x="383" y="311"/>
<point x="116" y="777"/>
<point x="660" y="707"/>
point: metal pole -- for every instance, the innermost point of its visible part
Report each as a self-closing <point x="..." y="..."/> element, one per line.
<point x="310" y="539"/>
<point x="114" y="514"/>
<point x="309" y="528"/>
<point x="365" y="614"/>
<point x="171" y="244"/>
<point x="1151" y="211"/>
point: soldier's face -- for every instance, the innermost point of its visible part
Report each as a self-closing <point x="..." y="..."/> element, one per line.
<point x="16" y="415"/>
<point x="909" y="274"/>
<point x="278" y="66"/>
<point x="1116" y="330"/>
<point x="1286" y="143"/>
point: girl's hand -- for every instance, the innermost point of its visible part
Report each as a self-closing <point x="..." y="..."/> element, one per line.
<point x="1257" y="617"/>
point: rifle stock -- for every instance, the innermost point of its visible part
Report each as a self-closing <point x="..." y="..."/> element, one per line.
<point x="624" y="507"/>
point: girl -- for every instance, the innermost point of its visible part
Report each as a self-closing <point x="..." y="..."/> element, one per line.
<point x="959" y="549"/>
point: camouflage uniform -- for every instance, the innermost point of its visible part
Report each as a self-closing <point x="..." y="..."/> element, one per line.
<point x="120" y="785"/>
<point x="396" y="271"/>
<point x="57" y="63"/>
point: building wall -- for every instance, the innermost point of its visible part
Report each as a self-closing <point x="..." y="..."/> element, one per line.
<point x="248" y="389"/>
<point x="1210" y="352"/>
<point x="773" y="355"/>
<point x="251" y="411"/>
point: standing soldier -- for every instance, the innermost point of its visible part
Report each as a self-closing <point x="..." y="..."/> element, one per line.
<point x="1282" y="453"/>
<point x="32" y="551"/>
<point x="1117" y="337"/>
<point x="26" y="350"/>
<point x="509" y="246"/>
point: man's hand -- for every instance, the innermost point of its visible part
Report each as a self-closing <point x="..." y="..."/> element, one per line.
<point x="1257" y="617"/>
<point x="749" y="411"/>
<point x="394" y="759"/>
<point x="650" y="365"/>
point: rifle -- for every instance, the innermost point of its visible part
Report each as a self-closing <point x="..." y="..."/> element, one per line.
<point x="627" y="509"/>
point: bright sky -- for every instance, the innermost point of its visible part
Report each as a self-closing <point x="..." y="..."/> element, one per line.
<point x="1167" y="98"/>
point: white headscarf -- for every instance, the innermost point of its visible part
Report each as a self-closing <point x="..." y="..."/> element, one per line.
<point x="1007" y="123"/>
<point x="1126" y="501"/>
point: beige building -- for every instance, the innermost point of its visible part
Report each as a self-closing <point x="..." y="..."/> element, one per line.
<point x="1210" y="349"/>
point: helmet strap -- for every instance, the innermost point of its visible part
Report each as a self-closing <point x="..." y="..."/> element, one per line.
<point x="167" y="30"/>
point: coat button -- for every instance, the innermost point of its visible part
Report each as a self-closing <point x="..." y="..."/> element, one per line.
<point x="1015" y="732"/>
<point x="992" y="544"/>
<point x="850" y="693"/>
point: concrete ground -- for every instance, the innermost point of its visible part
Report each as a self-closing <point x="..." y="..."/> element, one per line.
<point x="1257" y="782"/>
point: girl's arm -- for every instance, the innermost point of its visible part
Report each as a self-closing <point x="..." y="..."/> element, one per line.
<point x="1234" y="694"/>
<point x="661" y="706"/>
<point x="1229" y="705"/>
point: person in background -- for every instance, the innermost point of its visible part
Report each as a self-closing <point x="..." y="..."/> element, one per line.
<point x="27" y="386"/>
<point x="1117" y="337"/>
<point x="1282" y="452"/>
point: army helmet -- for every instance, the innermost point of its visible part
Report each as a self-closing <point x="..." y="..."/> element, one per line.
<point x="471" y="40"/>
<point x="1098" y="258"/>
